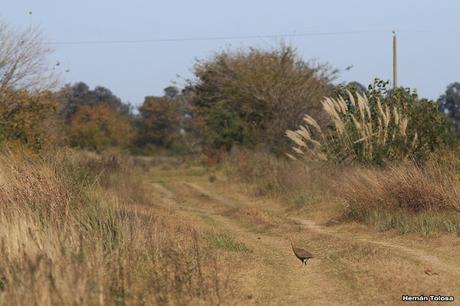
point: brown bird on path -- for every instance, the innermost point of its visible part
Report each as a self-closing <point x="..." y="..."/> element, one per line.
<point x="301" y="254"/>
<point x="430" y="272"/>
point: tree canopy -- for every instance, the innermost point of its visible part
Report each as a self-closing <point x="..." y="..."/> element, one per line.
<point x="449" y="103"/>
<point x="99" y="127"/>
<point x="72" y="96"/>
<point x="250" y="97"/>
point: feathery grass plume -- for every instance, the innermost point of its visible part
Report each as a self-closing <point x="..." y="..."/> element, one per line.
<point x="343" y="105"/>
<point x="291" y="156"/>
<point x="380" y="110"/>
<point x="403" y="125"/>
<point x="309" y="120"/>
<point x="297" y="150"/>
<point x="365" y="103"/>
<point x="361" y="108"/>
<point x="351" y="98"/>
<point x="379" y="131"/>
<point x="329" y="106"/>
<point x="414" y="141"/>
<point x="371" y="133"/>
<point x="387" y="116"/>
<point x="396" y="115"/>
<point x="296" y="138"/>
<point x="304" y="133"/>
<point x="356" y="123"/>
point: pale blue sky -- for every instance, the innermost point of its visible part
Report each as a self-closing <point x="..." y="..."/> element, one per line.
<point x="428" y="38"/>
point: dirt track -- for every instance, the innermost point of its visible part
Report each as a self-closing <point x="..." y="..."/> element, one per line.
<point x="351" y="267"/>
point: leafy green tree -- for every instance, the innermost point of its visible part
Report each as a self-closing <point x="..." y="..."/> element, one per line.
<point x="356" y="86"/>
<point x="449" y="103"/>
<point x="433" y="129"/>
<point x="159" y="122"/>
<point x="225" y="127"/>
<point x="79" y="94"/>
<point x="171" y="92"/>
<point x="353" y="87"/>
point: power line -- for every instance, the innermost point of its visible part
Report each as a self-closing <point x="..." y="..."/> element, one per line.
<point x="211" y="38"/>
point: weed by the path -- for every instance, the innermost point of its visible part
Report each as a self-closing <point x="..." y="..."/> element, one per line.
<point x="226" y="242"/>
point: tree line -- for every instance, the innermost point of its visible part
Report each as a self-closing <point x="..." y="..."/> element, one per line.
<point x="237" y="98"/>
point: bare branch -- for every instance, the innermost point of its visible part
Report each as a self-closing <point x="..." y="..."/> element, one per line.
<point x="23" y="59"/>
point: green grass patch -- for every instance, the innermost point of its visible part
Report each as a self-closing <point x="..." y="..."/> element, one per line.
<point x="225" y="242"/>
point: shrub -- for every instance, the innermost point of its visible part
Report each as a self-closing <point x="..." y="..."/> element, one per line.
<point x="74" y="96"/>
<point x="159" y="123"/>
<point x="434" y="131"/>
<point x="99" y="127"/>
<point x="372" y="130"/>
<point x="29" y="120"/>
<point x="359" y="133"/>
<point x="251" y="97"/>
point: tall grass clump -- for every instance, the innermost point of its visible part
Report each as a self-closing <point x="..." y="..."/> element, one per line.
<point x="82" y="229"/>
<point x="406" y="197"/>
<point x="360" y="131"/>
<point x="30" y="185"/>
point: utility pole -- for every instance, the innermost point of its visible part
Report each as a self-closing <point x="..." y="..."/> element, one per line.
<point x="395" y="63"/>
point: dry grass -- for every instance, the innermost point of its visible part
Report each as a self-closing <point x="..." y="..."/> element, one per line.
<point x="253" y="219"/>
<point x="81" y="230"/>
<point x="407" y="197"/>
<point x="383" y="274"/>
<point x="304" y="186"/>
<point x="266" y="175"/>
<point x="411" y="188"/>
<point x="32" y="186"/>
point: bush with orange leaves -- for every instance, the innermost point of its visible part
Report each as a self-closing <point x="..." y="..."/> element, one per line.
<point x="29" y="119"/>
<point x="98" y="127"/>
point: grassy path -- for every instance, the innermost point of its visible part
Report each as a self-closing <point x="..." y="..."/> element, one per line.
<point x="349" y="268"/>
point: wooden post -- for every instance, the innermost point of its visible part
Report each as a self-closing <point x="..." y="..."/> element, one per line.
<point x="395" y="63"/>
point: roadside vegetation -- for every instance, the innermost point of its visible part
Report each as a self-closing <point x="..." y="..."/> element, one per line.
<point x="79" y="228"/>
